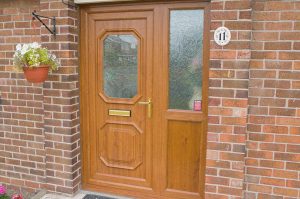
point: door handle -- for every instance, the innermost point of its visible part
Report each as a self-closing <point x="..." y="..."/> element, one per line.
<point x="149" y="106"/>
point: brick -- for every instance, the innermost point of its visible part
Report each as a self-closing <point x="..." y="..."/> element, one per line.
<point x="297" y="26"/>
<point x="293" y="148"/>
<point x="289" y="55"/>
<point x="278" y="5"/>
<point x="285" y="174"/>
<point x="296" y="46"/>
<point x="232" y="156"/>
<point x="235" y="138"/>
<point x="216" y="6"/>
<point x="230" y="190"/>
<point x="272" y="164"/>
<point x="272" y="102"/>
<point x="260" y="154"/>
<point x="278" y="65"/>
<point x="266" y="16"/>
<point x="278" y="45"/>
<point x="221" y="74"/>
<point x="284" y="84"/>
<point x="279" y="25"/>
<point x="293" y="166"/>
<point x="286" y="192"/>
<point x="287" y="121"/>
<point x="275" y="129"/>
<point x="282" y="112"/>
<point x="262" y="74"/>
<point x="289" y="36"/>
<point x="221" y="54"/>
<point x="231" y="174"/>
<point x="258" y="25"/>
<point x="261" y="92"/>
<point x="272" y="147"/>
<point x="287" y="156"/>
<point x="265" y="36"/>
<point x="263" y="54"/>
<point x="219" y="181"/>
<point x="268" y="196"/>
<point x="272" y="181"/>
<point x="261" y="137"/>
<point x="238" y="25"/>
<point x="293" y="184"/>
<point x="232" y="5"/>
<point x="228" y="15"/>
<point x="235" y="84"/>
<point x="294" y="16"/>
<point x="260" y="188"/>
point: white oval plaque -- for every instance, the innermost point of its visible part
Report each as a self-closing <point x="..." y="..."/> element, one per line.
<point x="222" y="36"/>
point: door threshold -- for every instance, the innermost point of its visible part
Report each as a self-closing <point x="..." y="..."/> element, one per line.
<point x="82" y="194"/>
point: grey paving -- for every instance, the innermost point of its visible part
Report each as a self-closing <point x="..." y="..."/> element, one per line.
<point x="89" y="196"/>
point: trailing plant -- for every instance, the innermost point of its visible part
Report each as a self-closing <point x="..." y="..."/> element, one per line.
<point x="33" y="55"/>
<point x="3" y="194"/>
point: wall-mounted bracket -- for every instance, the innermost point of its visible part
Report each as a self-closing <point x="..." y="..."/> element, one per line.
<point x="73" y="5"/>
<point x="53" y="20"/>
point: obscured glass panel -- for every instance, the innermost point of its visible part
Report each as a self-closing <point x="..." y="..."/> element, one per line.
<point x="185" y="69"/>
<point x="120" y="66"/>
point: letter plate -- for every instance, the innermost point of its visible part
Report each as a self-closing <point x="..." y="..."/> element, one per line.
<point x="120" y="113"/>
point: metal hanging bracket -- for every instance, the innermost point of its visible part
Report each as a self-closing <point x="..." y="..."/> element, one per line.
<point x="73" y="5"/>
<point x="53" y="20"/>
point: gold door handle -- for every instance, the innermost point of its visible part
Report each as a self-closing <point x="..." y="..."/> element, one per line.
<point x="149" y="104"/>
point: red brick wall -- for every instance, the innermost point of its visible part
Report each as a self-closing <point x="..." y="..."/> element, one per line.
<point x="253" y="141"/>
<point x="273" y="141"/>
<point x="22" y="154"/>
<point x="228" y="100"/>
<point x="39" y="135"/>
<point x="61" y="101"/>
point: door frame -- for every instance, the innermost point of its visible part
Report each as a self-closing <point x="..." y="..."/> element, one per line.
<point x="84" y="116"/>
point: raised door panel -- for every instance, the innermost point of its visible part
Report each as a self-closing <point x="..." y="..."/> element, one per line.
<point x="183" y="162"/>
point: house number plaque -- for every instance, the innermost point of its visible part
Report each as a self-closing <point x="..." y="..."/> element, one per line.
<point x="222" y="36"/>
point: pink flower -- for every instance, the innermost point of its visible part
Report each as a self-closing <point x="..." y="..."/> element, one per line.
<point x="2" y="190"/>
<point x="17" y="196"/>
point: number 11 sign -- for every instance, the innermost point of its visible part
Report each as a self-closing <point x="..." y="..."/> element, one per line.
<point x="222" y="36"/>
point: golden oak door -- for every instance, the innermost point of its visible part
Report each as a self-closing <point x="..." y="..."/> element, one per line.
<point x="144" y="98"/>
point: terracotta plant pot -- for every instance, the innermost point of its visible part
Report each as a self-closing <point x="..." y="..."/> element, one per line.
<point x="36" y="74"/>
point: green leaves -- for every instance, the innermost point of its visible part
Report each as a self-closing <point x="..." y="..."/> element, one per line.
<point x="4" y="197"/>
<point x="33" y="55"/>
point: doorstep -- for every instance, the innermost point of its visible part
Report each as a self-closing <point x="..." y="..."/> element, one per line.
<point x="80" y="195"/>
<point x="54" y="196"/>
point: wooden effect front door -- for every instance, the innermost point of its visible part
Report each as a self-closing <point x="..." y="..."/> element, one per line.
<point x="144" y="98"/>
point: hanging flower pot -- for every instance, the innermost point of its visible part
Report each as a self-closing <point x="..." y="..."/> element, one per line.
<point x="36" y="62"/>
<point x="36" y="74"/>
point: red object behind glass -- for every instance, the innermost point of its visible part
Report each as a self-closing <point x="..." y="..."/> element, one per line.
<point x="197" y="105"/>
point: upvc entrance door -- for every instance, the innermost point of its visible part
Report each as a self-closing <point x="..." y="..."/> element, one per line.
<point x="144" y="98"/>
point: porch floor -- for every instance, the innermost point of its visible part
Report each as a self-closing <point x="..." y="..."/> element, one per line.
<point x="80" y="195"/>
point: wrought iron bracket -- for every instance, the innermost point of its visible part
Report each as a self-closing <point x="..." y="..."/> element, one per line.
<point x="73" y="5"/>
<point x="53" y="20"/>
